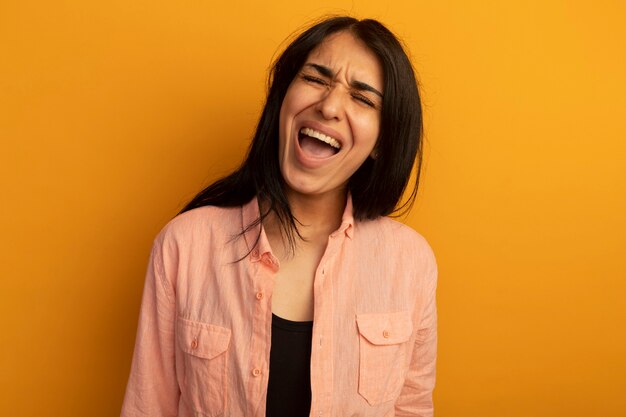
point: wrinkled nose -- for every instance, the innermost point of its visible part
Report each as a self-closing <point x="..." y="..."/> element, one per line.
<point x="331" y="104"/>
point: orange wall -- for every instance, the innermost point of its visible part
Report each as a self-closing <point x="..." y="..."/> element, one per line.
<point x="112" y="114"/>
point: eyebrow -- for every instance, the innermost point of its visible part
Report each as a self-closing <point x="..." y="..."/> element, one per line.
<point x="359" y="85"/>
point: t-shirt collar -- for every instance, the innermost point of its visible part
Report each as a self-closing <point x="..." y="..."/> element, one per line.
<point x="259" y="245"/>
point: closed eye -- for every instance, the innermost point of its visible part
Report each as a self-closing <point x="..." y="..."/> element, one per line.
<point x="364" y="100"/>
<point x="313" y="79"/>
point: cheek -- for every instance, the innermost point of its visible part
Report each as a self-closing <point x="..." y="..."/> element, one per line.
<point x="287" y="113"/>
<point x="367" y="130"/>
<point x="281" y="127"/>
<point x="285" y="121"/>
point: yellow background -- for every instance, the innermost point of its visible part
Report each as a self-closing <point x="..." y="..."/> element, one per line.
<point x="113" y="114"/>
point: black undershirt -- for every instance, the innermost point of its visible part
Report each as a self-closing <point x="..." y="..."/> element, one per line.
<point x="289" y="386"/>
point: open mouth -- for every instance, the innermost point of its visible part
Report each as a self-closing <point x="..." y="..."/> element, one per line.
<point x="316" y="144"/>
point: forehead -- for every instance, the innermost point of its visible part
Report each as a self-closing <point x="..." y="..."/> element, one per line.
<point x="348" y="57"/>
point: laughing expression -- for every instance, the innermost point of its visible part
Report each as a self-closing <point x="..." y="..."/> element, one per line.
<point x="330" y="116"/>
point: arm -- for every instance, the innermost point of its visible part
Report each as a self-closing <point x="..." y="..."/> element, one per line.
<point x="152" y="388"/>
<point x="416" y="395"/>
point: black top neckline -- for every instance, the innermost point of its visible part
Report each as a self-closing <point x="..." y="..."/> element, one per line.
<point x="292" y="326"/>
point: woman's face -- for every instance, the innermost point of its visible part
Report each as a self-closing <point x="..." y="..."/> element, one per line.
<point x="330" y="116"/>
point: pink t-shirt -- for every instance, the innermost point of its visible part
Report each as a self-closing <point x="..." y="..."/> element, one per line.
<point x="203" y="341"/>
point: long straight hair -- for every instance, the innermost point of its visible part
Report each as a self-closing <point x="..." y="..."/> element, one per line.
<point x="377" y="186"/>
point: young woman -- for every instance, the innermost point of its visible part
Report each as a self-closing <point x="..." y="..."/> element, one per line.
<point x="283" y="289"/>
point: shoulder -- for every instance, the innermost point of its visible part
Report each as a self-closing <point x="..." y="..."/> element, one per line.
<point x="392" y="236"/>
<point x="392" y="232"/>
<point x="199" y="224"/>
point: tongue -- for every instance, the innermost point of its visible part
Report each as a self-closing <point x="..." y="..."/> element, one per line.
<point x="316" y="148"/>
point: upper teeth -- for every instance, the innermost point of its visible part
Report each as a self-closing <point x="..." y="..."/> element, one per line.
<point x="319" y="135"/>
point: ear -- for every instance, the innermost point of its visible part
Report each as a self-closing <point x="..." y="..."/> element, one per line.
<point x="374" y="153"/>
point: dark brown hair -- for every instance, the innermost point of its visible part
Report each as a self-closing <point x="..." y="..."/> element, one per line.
<point x="377" y="186"/>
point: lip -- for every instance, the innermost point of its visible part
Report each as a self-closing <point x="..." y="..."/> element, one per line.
<point x="307" y="161"/>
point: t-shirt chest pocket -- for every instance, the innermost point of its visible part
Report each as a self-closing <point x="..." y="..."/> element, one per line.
<point x="382" y="354"/>
<point x="204" y="377"/>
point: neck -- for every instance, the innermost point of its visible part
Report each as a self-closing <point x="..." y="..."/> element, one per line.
<point x="317" y="215"/>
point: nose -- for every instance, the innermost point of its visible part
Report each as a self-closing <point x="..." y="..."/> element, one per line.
<point x="331" y="104"/>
